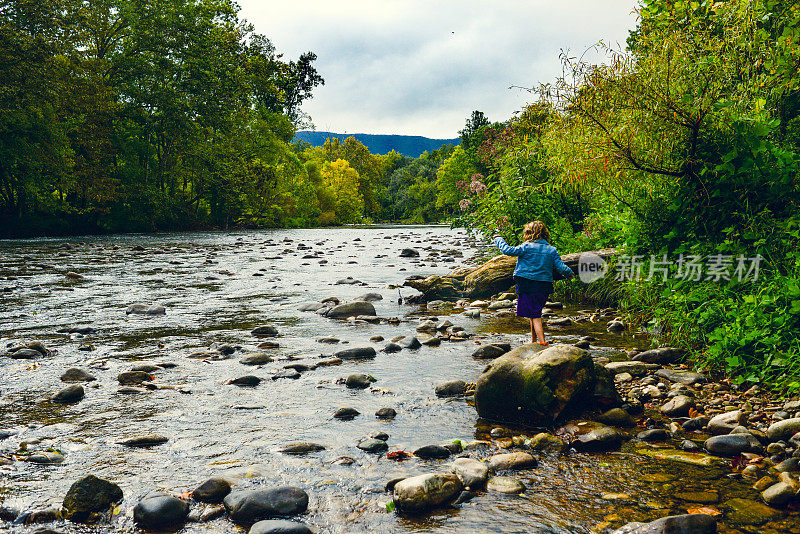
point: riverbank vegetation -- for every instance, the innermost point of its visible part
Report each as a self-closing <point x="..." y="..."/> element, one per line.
<point x="682" y="149"/>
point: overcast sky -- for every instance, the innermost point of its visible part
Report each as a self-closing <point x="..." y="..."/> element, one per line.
<point x="420" y="67"/>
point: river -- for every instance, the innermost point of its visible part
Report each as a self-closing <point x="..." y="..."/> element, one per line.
<point x="216" y="287"/>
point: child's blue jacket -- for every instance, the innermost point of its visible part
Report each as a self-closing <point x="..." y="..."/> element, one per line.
<point x="535" y="260"/>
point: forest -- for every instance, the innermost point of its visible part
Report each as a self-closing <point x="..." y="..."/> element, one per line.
<point x="120" y="116"/>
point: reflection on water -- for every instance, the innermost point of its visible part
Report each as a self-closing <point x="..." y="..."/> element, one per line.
<point x="216" y="287"/>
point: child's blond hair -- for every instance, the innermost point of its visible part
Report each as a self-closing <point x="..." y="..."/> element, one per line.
<point x="534" y="231"/>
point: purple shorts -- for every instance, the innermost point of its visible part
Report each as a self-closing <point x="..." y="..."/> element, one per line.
<point x="531" y="304"/>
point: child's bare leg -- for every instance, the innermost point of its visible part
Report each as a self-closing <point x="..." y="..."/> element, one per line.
<point x="533" y="336"/>
<point x="536" y="324"/>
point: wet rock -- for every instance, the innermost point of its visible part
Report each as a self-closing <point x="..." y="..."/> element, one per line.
<point x="301" y="447"/>
<point x="505" y="485"/>
<point x="87" y="496"/>
<point x="695" y="423"/>
<point x="732" y="444"/>
<point x="464" y="496"/>
<point x="247" y="381"/>
<point x="349" y="281"/>
<point x="548" y="443"/>
<point x="258" y="358"/>
<point x="358" y="381"/>
<point x="663" y="355"/>
<point x="453" y="388"/>
<point x="144" y="309"/>
<point x="616" y="327"/>
<point x="386" y="413"/>
<point x="409" y="253"/>
<point x="76" y="375"/>
<point x="248" y="507"/>
<point x="472" y="473"/>
<point x="8" y="514"/>
<point x="372" y="445"/>
<point x="410" y="343"/>
<point x="383" y="436"/>
<point x="133" y="378"/>
<point x="24" y="354"/>
<point x="532" y="386"/>
<point x="46" y="458"/>
<point x="675" y="524"/>
<point x="351" y="309"/>
<point x="681" y="377"/>
<point x="655" y="434"/>
<point x="212" y="490"/>
<point x="356" y="353"/>
<point x="370" y="297"/>
<point x="346" y="414"/>
<point x="512" y="460"/>
<point x="286" y="373"/>
<point x="725" y="422"/>
<point x="778" y="494"/>
<point x="69" y="395"/>
<point x="432" y="452"/>
<point x="160" y="512"/>
<point x="617" y="417"/>
<point x="146" y="440"/>
<point x="689" y="446"/>
<point x="678" y="406"/>
<point x="783" y="429"/>
<point x="749" y="512"/>
<point x="424" y="492"/>
<point x="501" y="304"/>
<point x="264" y="331"/>
<point x="279" y="526"/>
<point x="427" y="326"/>
<point x="595" y="437"/>
<point x="391" y="348"/>
<point x="490" y="352"/>
<point x="632" y="368"/>
<point x="790" y="465"/>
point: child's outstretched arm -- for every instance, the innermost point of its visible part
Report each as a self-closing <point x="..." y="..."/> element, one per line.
<point x="507" y="249"/>
<point x="559" y="264"/>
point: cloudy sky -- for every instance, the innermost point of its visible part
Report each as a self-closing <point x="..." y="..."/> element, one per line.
<point x="420" y="67"/>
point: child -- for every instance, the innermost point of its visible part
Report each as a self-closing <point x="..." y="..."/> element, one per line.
<point x="536" y="262"/>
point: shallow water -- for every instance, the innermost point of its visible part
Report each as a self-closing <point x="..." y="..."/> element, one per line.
<point x="206" y="282"/>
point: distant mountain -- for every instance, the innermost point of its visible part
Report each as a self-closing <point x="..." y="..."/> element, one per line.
<point x="408" y="145"/>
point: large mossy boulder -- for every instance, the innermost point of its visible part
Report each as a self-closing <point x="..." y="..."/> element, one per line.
<point x="536" y="386"/>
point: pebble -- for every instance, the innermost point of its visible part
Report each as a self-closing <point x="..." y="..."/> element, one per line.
<point x="505" y="485"/>
<point x="346" y="413"/>
<point x="69" y="395"/>
<point x="160" y="512"/>
<point x="212" y="490"/>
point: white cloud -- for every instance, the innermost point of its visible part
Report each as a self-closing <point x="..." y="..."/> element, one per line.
<point x="420" y="67"/>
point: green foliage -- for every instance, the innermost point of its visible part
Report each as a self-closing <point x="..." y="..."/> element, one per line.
<point x="686" y="143"/>
<point x="119" y="115"/>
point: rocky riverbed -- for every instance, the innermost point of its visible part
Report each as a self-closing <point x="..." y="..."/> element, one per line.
<point x="206" y="382"/>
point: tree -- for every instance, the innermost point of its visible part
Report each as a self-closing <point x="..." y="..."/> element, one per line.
<point x="342" y="180"/>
